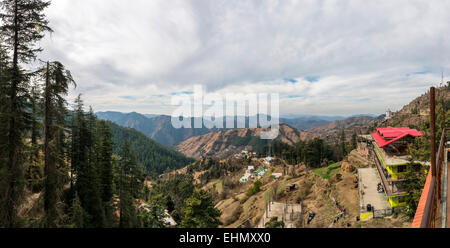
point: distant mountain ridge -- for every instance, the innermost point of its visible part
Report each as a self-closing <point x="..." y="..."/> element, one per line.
<point x="159" y="127"/>
<point x="331" y="131"/>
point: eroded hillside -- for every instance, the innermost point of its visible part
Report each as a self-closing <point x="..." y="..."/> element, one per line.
<point x="225" y="143"/>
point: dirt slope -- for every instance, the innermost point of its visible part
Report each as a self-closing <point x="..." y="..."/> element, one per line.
<point x="225" y="142"/>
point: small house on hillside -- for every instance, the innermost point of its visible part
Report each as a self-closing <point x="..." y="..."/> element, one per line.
<point x="277" y="175"/>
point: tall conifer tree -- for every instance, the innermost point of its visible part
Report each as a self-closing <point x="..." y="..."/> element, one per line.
<point x="57" y="82"/>
<point x="24" y="24"/>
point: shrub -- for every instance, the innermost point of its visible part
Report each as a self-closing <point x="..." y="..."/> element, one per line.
<point x="255" y="188"/>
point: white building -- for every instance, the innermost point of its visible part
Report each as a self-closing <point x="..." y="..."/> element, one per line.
<point x="277" y="175"/>
<point x="388" y="114"/>
<point x="244" y="178"/>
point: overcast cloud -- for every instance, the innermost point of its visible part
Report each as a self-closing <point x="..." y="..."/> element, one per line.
<point x="331" y="57"/>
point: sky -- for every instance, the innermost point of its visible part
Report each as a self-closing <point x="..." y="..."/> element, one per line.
<point x="324" y="57"/>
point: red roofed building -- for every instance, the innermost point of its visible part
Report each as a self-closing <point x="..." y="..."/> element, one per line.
<point x="393" y="160"/>
<point x="388" y="135"/>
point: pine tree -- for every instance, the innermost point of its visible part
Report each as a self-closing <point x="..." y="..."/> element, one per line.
<point x="57" y="82"/>
<point x="126" y="188"/>
<point x="153" y="216"/>
<point x="199" y="212"/>
<point x="4" y="81"/>
<point x="77" y="212"/>
<point x="78" y="154"/>
<point x="342" y="145"/>
<point x="23" y="24"/>
<point x="93" y="201"/>
<point x="105" y="151"/>
<point x="33" y="165"/>
<point x="84" y="166"/>
<point x="354" y="140"/>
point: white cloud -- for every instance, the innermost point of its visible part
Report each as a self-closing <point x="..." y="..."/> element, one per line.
<point x="131" y="55"/>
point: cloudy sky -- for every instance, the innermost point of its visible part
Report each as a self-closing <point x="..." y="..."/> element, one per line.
<point x="324" y="57"/>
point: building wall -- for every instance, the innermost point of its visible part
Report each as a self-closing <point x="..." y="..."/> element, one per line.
<point x="397" y="201"/>
<point x="393" y="170"/>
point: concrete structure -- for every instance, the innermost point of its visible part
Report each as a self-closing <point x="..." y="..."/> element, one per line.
<point x="277" y="175"/>
<point x="388" y="114"/>
<point x="368" y="193"/>
<point x="248" y="173"/>
<point x="268" y="160"/>
<point x="286" y="212"/>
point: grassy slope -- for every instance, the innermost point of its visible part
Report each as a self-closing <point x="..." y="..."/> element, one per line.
<point x="328" y="172"/>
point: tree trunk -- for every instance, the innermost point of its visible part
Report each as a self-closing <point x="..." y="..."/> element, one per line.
<point x="12" y="191"/>
<point x="49" y="164"/>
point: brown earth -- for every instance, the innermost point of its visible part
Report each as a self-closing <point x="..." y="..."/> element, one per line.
<point x="313" y="192"/>
<point x="219" y="144"/>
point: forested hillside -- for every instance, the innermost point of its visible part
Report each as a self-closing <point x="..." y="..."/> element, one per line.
<point x="158" y="128"/>
<point x="152" y="155"/>
<point x="62" y="167"/>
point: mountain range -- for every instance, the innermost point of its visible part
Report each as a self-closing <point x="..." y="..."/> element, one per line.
<point x="159" y="127"/>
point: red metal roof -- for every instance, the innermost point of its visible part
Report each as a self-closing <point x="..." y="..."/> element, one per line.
<point x="393" y="133"/>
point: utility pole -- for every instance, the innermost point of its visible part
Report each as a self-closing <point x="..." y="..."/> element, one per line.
<point x="433" y="131"/>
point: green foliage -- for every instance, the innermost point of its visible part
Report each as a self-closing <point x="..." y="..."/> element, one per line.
<point x="413" y="184"/>
<point x="342" y="144"/>
<point x="274" y="223"/>
<point x="172" y="193"/>
<point x="199" y="211"/>
<point x="328" y="172"/>
<point x="152" y="217"/>
<point x="420" y="149"/>
<point x="18" y="19"/>
<point x="77" y="212"/>
<point x="354" y="140"/>
<point x="313" y="152"/>
<point x="104" y="149"/>
<point x="37" y="146"/>
<point x="214" y="169"/>
<point x="57" y="81"/>
<point x="129" y="186"/>
<point x="256" y="187"/>
<point x="152" y="155"/>
<point x="255" y="142"/>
